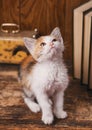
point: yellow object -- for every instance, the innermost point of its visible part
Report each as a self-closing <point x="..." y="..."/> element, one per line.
<point x="10" y="39"/>
<point x="7" y="47"/>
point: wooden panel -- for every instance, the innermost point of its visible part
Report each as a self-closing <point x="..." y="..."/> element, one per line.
<point x="70" y="5"/>
<point x="42" y="14"/>
<point x="9" y="11"/>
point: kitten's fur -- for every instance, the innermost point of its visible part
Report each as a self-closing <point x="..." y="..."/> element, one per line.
<point x="44" y="76"/>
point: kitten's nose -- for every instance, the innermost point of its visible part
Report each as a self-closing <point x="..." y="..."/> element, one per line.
<point x="52" y="44"/>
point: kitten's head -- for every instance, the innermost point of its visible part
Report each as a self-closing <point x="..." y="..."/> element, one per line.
<point x="45" y="47"/>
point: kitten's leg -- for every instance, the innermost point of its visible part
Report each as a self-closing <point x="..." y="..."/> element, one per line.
<point x="45" y="104"/>
<point x="29" y="100"/>
<point x="58" y="105"/>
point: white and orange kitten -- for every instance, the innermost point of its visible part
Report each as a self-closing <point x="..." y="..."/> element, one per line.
<point x="44" y="76"/>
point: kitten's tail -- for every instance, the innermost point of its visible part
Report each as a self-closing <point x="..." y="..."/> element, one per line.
<point x="20" y="48"/>
<point x="15" y="51"/>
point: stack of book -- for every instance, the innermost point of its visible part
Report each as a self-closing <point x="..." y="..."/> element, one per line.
<point x="82" y="43"/>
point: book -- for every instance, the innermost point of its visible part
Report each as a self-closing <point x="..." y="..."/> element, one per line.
<point x="90" y="61"/>
<point x="77" y="37"/>
<point x="86" y="48"/>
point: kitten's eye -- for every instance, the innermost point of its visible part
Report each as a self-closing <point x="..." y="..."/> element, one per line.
<point x="54" y="40"/>
<point x="43" y="44"/>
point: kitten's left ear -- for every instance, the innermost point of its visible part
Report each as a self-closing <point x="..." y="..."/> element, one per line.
<point x="29" y="43"/>
<point x="56" y="33"/>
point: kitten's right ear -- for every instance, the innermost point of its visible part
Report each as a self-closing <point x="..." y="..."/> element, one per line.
<point x="29" y="43"/>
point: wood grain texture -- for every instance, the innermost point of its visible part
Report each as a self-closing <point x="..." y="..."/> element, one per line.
<point x="9" y="11"/>
<point x="69" y="6"/>
<point x="44" y="15"/>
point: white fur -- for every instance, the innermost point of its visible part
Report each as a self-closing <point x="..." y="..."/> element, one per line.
<point x="48" y="81"/>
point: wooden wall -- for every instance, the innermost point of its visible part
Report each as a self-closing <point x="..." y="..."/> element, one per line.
<point x="42" y="14"/>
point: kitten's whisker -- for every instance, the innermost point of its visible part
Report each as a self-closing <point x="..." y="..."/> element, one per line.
<point x="66" y="44"/>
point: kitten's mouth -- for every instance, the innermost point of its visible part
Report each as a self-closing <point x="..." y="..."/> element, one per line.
<point x="52" y="49"/>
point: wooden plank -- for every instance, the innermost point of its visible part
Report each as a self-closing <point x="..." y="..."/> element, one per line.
<point x="15" y="115"/>
<point x="9" y="11"/>
<point x="42" y="14"/>
<point x="40" y="128"/>
<point x="69" y="6"/>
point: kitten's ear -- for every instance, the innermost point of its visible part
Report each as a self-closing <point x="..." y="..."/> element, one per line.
<point x="29" y="43"/>
<point x="56" y="33"/>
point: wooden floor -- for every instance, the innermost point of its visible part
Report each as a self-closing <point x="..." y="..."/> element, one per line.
<point x="15" y="115"/>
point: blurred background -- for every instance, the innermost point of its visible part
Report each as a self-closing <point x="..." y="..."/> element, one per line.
<point x="43" y="15"/>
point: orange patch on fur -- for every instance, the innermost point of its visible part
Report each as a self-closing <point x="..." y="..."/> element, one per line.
<point x="25" y="70"/>
<point x="38" y="48"/>
<point x="26" y="61"/>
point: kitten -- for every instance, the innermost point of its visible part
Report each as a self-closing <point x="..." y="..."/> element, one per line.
<point x="44" y="76"/>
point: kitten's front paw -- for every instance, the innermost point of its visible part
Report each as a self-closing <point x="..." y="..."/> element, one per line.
<point x="35" y="108"/>
<point x="48" y="119"/>
<point x="61" y="114"/>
